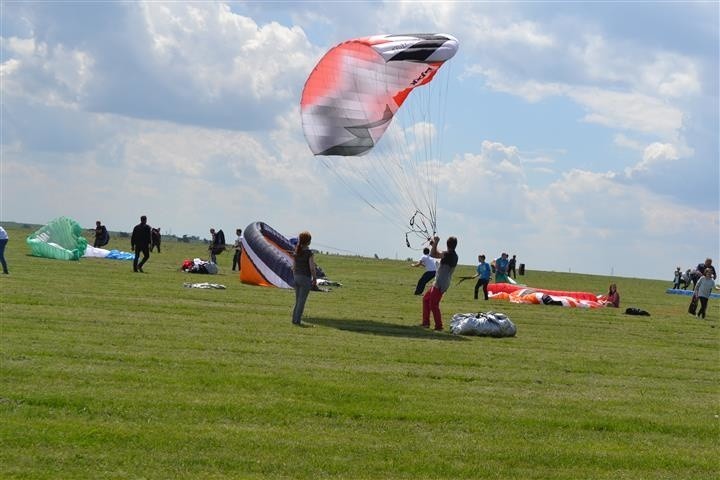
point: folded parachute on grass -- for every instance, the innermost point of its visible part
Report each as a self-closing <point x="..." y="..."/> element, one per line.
<point x="94" y="252"/>
<point x="677" y="291"/>
<point x="522" y="294"/>
<point x="60" y="239"/>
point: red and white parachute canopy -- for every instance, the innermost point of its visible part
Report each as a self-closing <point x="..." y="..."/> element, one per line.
<point x="348" y="103"/>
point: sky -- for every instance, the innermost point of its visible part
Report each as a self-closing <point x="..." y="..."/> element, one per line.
<point x="580" y="137"/>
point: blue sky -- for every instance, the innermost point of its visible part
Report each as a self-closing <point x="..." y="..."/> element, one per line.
<point x="579" y="136"/>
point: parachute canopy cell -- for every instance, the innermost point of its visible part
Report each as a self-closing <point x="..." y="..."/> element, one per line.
<point x="355" y="90"/>
<point x="60" y="239"/>
<point x="266" y="257"/>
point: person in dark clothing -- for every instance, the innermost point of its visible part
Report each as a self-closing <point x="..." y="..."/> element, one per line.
<point x="140" y="242"/>
<point x="102" y="237"/>
<point x="155" y="239"/>
<point x="217" y="244"/>
<point x="305" y="275"/>
<point x="511" y="267"/>
<point x="238" y="249"/>
<point x="704" y="266"/>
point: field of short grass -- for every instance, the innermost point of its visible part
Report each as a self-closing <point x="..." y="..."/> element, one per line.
<point x="106" y="373"/>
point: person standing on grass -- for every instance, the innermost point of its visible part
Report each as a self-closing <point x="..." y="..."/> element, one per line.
<point x="483" y="276"/>
<point x="703" y="289"/>
<point x="238" y="249"/>
<point x="443" y="277"/>
<point x="305" y="273"/>
<point x="140" y="242"/>
<point x="511" y="267"/>
<point x="430" y="269"/>
<point x="501" y="268"/>
<point x="4" y="238"/>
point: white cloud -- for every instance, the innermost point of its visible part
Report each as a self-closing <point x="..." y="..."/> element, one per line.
<point x="499" y="32"/>
<point x="671" y="75"/>
<point x="221" y="52"/>
<point x="629" y="111"/>
<point x="654" y="154"/>
<point x="622" y="140"/>
<point x="51" y="75"/>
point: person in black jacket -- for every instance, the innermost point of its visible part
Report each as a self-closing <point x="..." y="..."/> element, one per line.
<point x="102" y="237"/>
<point x="140" y="242"/>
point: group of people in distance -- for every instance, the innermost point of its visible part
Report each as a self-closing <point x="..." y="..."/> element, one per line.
<point x="439" y="265"/>
<point x="503" y="267"/>
<point x="682" y="280"/>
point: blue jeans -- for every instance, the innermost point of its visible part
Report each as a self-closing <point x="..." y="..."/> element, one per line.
<point x="303" y="284"/>
<point x="3" y="242"/>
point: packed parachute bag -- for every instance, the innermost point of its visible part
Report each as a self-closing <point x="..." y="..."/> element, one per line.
<point x="60" y="239"/>
<point x="487" y="324"/>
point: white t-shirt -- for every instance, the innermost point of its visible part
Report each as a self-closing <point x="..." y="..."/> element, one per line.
<point x="429" y="263"/>
<point x="3" y="234"/>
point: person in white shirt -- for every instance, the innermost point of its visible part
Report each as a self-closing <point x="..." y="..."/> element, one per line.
<point x="3" y="242"/>
<point x="238" y="249"/>
<point x="430" y="268"/>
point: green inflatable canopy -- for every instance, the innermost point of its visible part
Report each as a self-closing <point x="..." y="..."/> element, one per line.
<point x="61" y="239"/>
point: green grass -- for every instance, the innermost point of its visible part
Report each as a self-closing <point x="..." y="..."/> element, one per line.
<point x="110" y="374"/>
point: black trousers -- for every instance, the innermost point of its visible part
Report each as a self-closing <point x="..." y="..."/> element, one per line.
<point x="146" y="254"/>
<point x="703" y="306"/>
<point x="424" y="279"/>
<point x="484" y="284"/>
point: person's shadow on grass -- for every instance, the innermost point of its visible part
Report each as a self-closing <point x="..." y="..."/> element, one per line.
<point x="372" y="327"/>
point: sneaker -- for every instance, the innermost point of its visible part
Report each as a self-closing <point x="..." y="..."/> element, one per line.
<point x="424" y="326"/>
<point x="438" y="329"/>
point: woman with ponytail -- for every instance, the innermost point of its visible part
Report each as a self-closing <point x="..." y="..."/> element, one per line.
<point x="305" y="274"/>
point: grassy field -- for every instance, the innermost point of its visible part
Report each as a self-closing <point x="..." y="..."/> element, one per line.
<point x="110" y="374"/>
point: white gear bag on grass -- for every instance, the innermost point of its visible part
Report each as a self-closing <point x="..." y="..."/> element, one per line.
<point x="487" y="324"/>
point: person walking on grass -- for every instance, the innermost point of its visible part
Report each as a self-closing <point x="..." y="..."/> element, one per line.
<point x="443" y="277"/>
<point x="703" y="289"/>
<point x="305" y="273"/>
<point x="140" y="243"/>
<point x="3" y="243"/>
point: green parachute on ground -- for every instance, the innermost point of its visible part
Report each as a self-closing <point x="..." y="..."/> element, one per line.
<point x="61" y="239"/>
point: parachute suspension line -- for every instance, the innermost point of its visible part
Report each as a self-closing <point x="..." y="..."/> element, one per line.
<point x="412" y="121"/>
<point x="340" y="169"/>
<point x="346" y="183"/>
<point x="380" y="189"/>
<point x="442" y="110"/>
